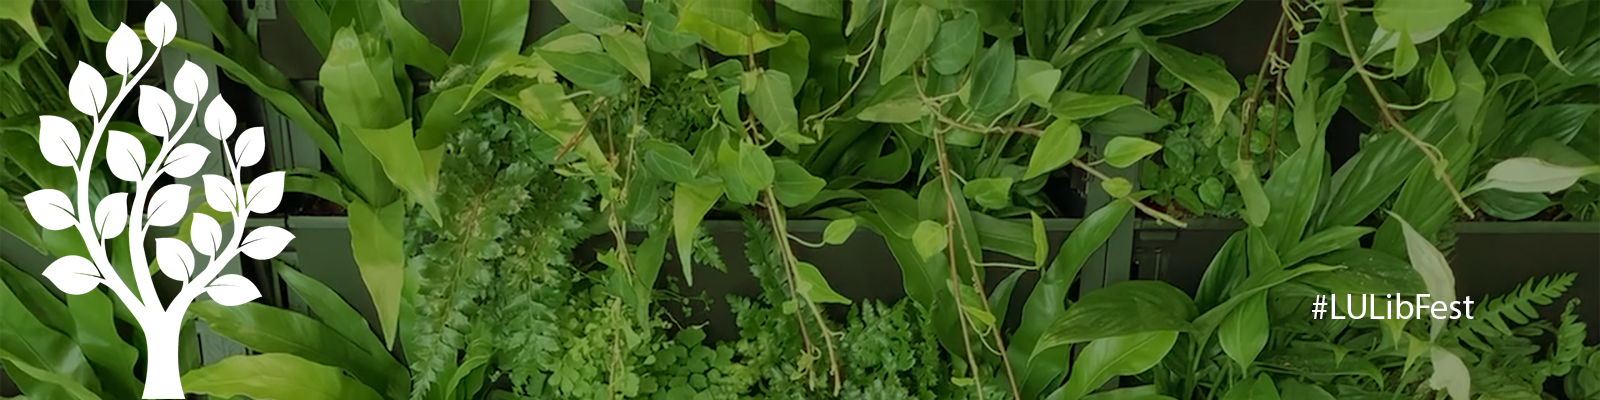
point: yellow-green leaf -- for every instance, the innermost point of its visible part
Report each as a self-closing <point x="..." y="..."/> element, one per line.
<point x="690" y="202"/>
<point x="275" y="376"/>
<point x="1256" y="207"/>
<point x="727" y="27"/>
<point x="809" y="281"/>
<point x="593" y="15"/>
<point x="1079" y="106"/>
<point x="628" y="49"/>
<point x="930" y="238"/>
<point x="402" y="162"/>
<point x="21" y="11"/>
<point x="772" y="101"/>
<point x="911" y="30"/>
<point x="955" y="44"/>
<point x="1204" y="74"/>
<point x="1122" y="151"/>
<point x="991" y="193"/>
<point x="375" y="241"/>
<point x="1057" y="146"/>
<point x="839" y="230"/>
<point x="1441" y="83"/>
<point x="792" y="184"/>
<point x="1117" y="187"/>
<point x="1522" y="22"/>
<point x="900" y="110"/>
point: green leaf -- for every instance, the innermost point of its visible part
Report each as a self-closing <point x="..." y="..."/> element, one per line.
<point x="58" y="383"/>
<point x="402" y="162"/>
<point x="1117" y="187"/>
<point x="1256" y="206"/>
<point x="410" y="45"/>
<point x="1292" y="193"/>
<point x="1124" y="308"/>
<point x="1146" y="392"/>
<point x="991" y="193"/>
<point x="1324" y="242"/>
<point x="992" y="81"/>
<point x="809" y="281"/>
<point x="1512" y="206"/>
<point x="359" y="84"/>
<point x="628" y="49"/>
<point x="490" y="28"/>
<point x="1405" y="57"/>
<point x="273" y="330"/>
<point x="860" y="12"/>
<point x="1057" y="146"/>
<point x="831" y="9"/>
<point x="690" y="202"/>
<point x="975" y="307"/>
<point x="375" y="242"/>
<point x="1531" y="175"/>
<point x="955" y="44"/>
<point x="1294" y="389"/>
<point x="1522" y="22"/>
<point x="772" y="101"/>
<point x="792" y="184"/>
<point x="930" y="238"/>
<point x="275" y="377"/>
<point x="1079" y="106"/>
<point x="21" y="12"/>
<point x="594" y="16"/>
<point x="1036" y="81"/>
<point x="592" y="70"/>
<point x="1040" y="242"/>
<point x="1211" y="192"/>
<point x="669" y="162"/>
<point x="728" y="105"/>
<point x="727" y="27"/>
<point x="17" y="223"/>
<point x="1366" y="271"/>
<point x="329" y="307"/>
<point x="1123" y="151"/>
<point x="1107" y="358"/>
<point x="1418" y="15"/>
<point x="103" y="347"/>
<point x="793" y="58"/>
<point x="1204" y="74"/>
<point x="1449" y="373"/>
<point x="1126" y="121"/>
<point x="1441" y="83"/>
<point x="1435" y="271"/>
<point x="1243" y="333"/>
<point x="745" y="172"/>
<point x="900" y="110"/>
<point x="839" y="230"/>
<point x="661" y="33"/>
<point x="911" y="30"/>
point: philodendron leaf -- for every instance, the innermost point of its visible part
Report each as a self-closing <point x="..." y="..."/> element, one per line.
<point x="929" y="239"/>
<point x="1326" y="241"/>
<point x="772" y="101"/>
<point x="1204" y="74"/>
<point x="1243" y="333"/>
<point x="1036" y="81"/>
<point x="911" y="30"/>
<point x="831" y="9"/>
<point x="275" y="376"/>
<point x="991" y="193"/>
<point x="668" y="161"/>
<point x="839" y="230"/>
<point x="809" y="281"/>
<point x="1123" y="151"/>
<point x="728" y="27"/>
<point x="1057" y="146"/>
<point x="1441" y="83"/>
<point x="1531" y="175"/>
<point x="690" y="202"/>
<point x="1078" y="106"/>
<point x="745" y="171"/>
<point x="1256" y="206"/>
<point x="628" y="49"/>
<point x="1525" y="21"/>
<point x="1435" y="271"/>
<point x="792" y="184"/>
<point x="1107" y="358"/>
<point x="1125" y="308"/>
<point x="955" y="44"/>
<point x="593" y="15"/>
<point x="1117" y="187"/>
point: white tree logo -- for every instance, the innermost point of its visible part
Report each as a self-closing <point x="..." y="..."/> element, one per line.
<point x="60" y="142"/>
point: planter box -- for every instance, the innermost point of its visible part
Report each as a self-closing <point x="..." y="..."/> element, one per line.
<point x="1489" y="258"/>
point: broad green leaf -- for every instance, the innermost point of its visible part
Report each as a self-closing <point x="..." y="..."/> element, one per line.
<point x="1324" y="242"/>
<point x="860" y="13"/>
<point x="329" y="307"/>
<point x="974" y="306"/>
<point x="359" y="84"/>
<point x="21" y="12"/>
<point x="809" y="281"/>
<point x="1470" y="83"/>
<point x="410" y="45"/>
<point x="102" y="346"/>
<point x="772" y="101"/>
<point x="690" y="202"/>
<point x="594" y="16"/>
<point x="1366" y="271"/>
<point x="832" y="9"/>
<point x="1292" y="191"/>
<point x="275" y="376"/>
<point x="375" y="241"/>
<point x="1256" y="205"/>
<point x="1450" y="373"/>
<point x="1079" y="106"/>
<point x="991" y="193"/>
<point x="839" y="230"/>
<point x="669" y="162"/>
<point x="1378" y="170"/>
<point x="1117" y="187"/>
<point x="591" y="70"/>
<point x="627" y="48"/>
<point x="745" y="171"/>
<point x="989" y="91"/>
<point x="728" y="105"/>
<point x="1435" y="271"/>
<point x="1531" y="175"/>
<point x="1511" y="206"/>
<point x="898" y="110"/>
<point x="546" y="104"/>
<point x="1036" y="81"/>
<point x="1525" y="21"/>
<point x="1057" y="146"/>
<point x="793" y="58"/>
<point x="1204" y="74"/>
<point x="1123" y="151"/>
<point x="661" y="34"/>
<point x="930" y="238"/>
<point x="1211" y="319"/>
<point x="402" y="162"/>
<point x="1126" y="121"/>
<point x="1146" y="392"/>
<point x="1124" y="308"/>
<point x="1040" y="245"/>
<point x="1243" y="333"/>
<point x="1441" y="83"/>
<point x="727" y="27"/>
<point x="1296" y="390"/>
<point x="1405" y="57"/>
<point x="955" y="44"/>
<point x="490" y="28"/>
<point x="911" y="30"/>
<point x="1418" y="15"/>
<point x="1108" y="358"/>
<point x="792" y="184"/>
<point x="273" y="330"/>
<point x="1559" y="122"/>
<point x="17" y="223"/>
<point x="54" y="384"/>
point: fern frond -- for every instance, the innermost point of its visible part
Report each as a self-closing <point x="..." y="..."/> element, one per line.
<point x="706" y="250"/>
<point x="1518" y="306"/>
<point x="1569" y="341"/>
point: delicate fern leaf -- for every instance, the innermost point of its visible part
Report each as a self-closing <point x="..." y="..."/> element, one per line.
<point x="1518" y="306"/>
<point x="706" y="250"/>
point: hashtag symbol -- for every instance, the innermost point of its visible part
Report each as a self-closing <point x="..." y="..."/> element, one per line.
<point x="1319" y="307"/>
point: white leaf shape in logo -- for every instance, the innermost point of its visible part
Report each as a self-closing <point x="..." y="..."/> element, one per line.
<point x="205" y="234"/>
<point x="87" y="90"/>
<point x="124" y="50"/>
<point x="220" y="119"/>
<point x="190" y="84"/>
<point x="175" y="258"/>
<point x="111" y="215"/>
<point x="265" y="242"/>
<point x="51" y="209"/>
<point x="160" y="26"/>
<point x="73" y="274"/>
<point x="263" y="195"/>
<point x="220" y="193"/>
<point x="168" y="205"/>
<point x="232" y="290"/>
<point x="156" y="111"/>
<point x="185" y="160"/>
<point x="126" y="156"/>
<point x="251" y="145"/>
<point x="59" y="141"/>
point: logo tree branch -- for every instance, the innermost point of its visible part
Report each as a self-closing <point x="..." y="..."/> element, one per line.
<point x="101" y="220"/>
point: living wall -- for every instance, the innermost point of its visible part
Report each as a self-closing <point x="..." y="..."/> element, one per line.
<point x="477" y="183"/>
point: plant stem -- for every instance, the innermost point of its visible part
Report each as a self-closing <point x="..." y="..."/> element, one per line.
<point x="786" y="254"/>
